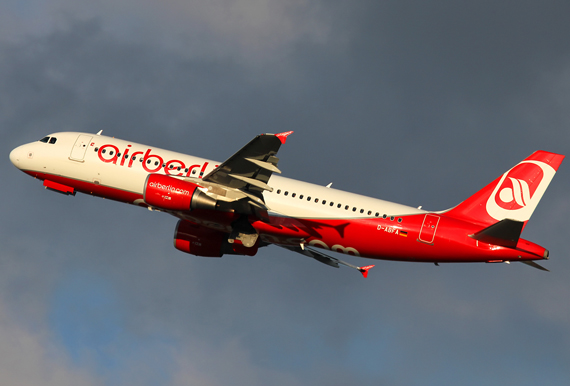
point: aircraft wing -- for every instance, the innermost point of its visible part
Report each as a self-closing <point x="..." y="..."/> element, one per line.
<point x="324" y="258"/>
<point x="250" y="168"/>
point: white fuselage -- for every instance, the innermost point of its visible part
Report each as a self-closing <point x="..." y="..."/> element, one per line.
<point x="67" y="157"/>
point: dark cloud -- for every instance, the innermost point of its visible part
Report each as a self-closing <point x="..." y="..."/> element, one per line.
<point x="419" y="103"/>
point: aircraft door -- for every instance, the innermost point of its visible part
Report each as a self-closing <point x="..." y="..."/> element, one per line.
<point x="429" y="226"/>
<point x="80" y="147"/>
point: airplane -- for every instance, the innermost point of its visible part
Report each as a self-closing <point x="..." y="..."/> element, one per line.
<point x="240" y="205"/>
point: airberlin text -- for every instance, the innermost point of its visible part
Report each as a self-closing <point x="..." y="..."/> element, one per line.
<point x="151" y="163"/>
<point x="169" y="188"/>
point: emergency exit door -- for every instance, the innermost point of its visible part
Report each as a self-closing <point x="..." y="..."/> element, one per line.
<point x="429" y="226"/>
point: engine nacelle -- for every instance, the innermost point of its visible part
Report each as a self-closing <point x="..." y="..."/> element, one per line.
<point x="170" y="193"/>
<point x="201" y="241"/>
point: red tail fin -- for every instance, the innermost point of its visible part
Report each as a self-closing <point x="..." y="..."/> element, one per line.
<point x="514" y="195"/>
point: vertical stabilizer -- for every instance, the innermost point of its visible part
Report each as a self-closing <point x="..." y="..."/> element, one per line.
<point x="514" y="195"/>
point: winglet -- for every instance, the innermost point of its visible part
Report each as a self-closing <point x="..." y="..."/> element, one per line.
<point x="364" y="270"/>
<point x="283" y="136"/>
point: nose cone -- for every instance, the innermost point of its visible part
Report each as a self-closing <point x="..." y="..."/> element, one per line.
<point x="16" y="156"/>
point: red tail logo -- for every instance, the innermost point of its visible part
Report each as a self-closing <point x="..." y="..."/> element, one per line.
<point x="519" y="190"/>
<point x="514" y="195"/>
<point x="515" y="191"/>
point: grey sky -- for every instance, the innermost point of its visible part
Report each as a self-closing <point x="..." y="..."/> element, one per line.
<point x="421" y="103"/>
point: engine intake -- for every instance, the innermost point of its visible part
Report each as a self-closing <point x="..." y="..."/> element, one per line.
<point x="170" y="193"/>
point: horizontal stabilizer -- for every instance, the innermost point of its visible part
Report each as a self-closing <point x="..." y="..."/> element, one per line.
<point x="505" y="233"/>
<point x="534" y="265"/>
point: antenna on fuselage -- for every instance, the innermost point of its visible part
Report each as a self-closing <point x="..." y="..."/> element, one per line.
<point x="100" y="131"/>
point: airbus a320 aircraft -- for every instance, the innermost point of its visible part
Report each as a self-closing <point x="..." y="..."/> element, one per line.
<point x="240" y="205"/>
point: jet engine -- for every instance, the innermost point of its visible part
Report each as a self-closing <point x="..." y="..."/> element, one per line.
<point x="171" y="193"/>
<point x="201" y="241"/>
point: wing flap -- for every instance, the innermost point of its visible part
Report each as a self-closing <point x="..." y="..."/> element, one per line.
<point x="265" y="165"/>
<point x="252" y="181"/>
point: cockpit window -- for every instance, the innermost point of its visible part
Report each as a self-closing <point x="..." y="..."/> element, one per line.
<point x="51" y="140"/>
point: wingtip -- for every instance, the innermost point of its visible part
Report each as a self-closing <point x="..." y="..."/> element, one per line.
<point x="283" y="136"/>
<point x="364" y="270"/>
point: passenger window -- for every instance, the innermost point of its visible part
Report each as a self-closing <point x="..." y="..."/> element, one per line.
<point x="377" y="214"/>
<point x="286" y="193"/>
<point x="354" y="209"/>
<point x="339" y="205"/>
<point x="346" y="207"/>
<point x="324" y="202"/>
<point x="293" y="194"/>
<point x="278" y="191"/>
<point x="332" y="203"/>
<point x="309" y="198"/>
<point x="316" y="200"/>
<point x="369" y="212"/>
<point x="361" y="210"/>
<point x="44" y="139"/>
<point x="301" y="197"/>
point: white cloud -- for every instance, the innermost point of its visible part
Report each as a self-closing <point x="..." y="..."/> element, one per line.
<point x="230" y="364"/>
<point x="31" y="358"/>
